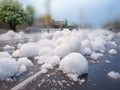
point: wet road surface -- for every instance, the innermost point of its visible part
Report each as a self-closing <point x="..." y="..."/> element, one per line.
<point x="54" y="79"/>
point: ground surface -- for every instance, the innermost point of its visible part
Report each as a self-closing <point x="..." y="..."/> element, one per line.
<point x="96" y="79"/>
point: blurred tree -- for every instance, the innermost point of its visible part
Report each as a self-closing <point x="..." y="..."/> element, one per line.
<point x="64" y="24"/>
<point x="30" y="11"/>
<point x="12" y="12"/>
<point x="114" y="25"/>
<point x="88" y="26"/>
<point x="73" y="25"/>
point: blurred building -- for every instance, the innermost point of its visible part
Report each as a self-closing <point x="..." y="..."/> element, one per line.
<point x="42" y="23"/>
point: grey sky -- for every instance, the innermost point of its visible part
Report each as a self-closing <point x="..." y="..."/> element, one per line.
<point x="96" y="12"/>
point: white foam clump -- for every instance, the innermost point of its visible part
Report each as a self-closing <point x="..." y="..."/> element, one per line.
<point x="113" y="52"/>
<point x="28" y="50"/>
<point x="47" y="66"/>
<point x="114" y="75"/>
<point x="5" y="54"/>
<point x="10" y="35"/>
<point x="22" y="69"/>
<point x="60" y="34"/>
<point x="74" y="64"/>
<point x="62" y="50"/>
<point x="46" y="51"/>
<point x="59" y="41"/>
<point x="95" y="56"/>
<point x="85" y="43"/>
<point x="43" y="70"/>
<point x="114" y="44"/>
<point x="20" y="35"/>
<point x="109" y="37"/>
<point x="45" y="43"/>
<point x="46" y="35"/>
<point x="73" y="77"/>
<point x="57" y="35"/>
<point x="8" y="47"/>
<point x="86" y="51"/>
<point x="66" y="32"/>
<point x="25" y="61"/>
<point x="19" y="45"/>
<point x="8" y="68"/>
<point x="16" y="53"/>
<point x="53" y="60"/>
<point x="97" y="45"/>
<point x="73" y="43"/>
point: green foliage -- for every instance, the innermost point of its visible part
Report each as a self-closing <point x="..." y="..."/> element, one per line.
<point x="13" y="13"/>
<point x="30" y="14"/>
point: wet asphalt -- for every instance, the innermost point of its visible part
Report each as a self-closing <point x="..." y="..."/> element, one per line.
<point x="96" y="79"/>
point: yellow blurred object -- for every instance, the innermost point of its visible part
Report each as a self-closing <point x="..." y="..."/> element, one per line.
<point x="47" y="19"/>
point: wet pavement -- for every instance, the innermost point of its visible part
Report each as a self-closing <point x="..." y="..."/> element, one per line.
<point x="54" y="79"/>
<point x="6" y="85"/>
<point x="96" y="79"/>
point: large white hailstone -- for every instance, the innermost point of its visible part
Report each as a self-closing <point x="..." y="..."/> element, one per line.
<point x="46" y="51"/>
<point x="73" y="43"/>
<point x="62" y="50"/>
<point x="85" y="43"/>
<point x="45" y="43"/>
<point x="5" y="55"/>
<point x="97" y="46"/>
<point x="57" y="35"/>
<point x="113" y="52"/>
<point x="114" y="75"/>
<point x="86" y="51"/>
<point x="53" y="60"/>
<point x="29" y="50"/>
<point x="16" y="53"/>
<point x="8" y="68"/>
<point x="75" y="64"/>
<point x="25" y="61"/>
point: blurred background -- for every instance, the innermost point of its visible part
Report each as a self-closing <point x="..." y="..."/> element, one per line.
<point x="46" y="14"/>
